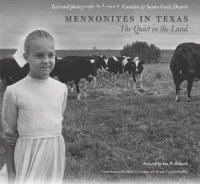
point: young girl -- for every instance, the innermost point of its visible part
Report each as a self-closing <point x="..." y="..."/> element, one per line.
<point x="32" y="115"/>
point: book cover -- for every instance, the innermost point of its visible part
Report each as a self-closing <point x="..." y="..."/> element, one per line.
<point x="119" y="133"/>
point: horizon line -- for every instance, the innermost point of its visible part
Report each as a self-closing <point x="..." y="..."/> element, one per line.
<point x="86" y="49"/>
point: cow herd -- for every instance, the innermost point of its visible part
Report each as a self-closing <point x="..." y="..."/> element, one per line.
<point x="184" y="65"/>
<point x="75" y="68"/>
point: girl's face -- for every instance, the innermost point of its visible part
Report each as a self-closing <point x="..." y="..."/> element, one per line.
<point x="41" y="57"/>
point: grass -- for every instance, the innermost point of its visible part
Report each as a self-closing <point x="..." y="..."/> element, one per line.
<point x="119" y="133"/>
<point x="116" y="130"/>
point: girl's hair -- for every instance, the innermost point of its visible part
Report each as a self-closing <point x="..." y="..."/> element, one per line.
<point x="34" y="35"/>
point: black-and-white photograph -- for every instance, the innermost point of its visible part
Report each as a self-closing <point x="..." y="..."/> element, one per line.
<point x="99" y="91"/>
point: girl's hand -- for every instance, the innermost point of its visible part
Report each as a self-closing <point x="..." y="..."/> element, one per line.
<point x="11" y="138"/>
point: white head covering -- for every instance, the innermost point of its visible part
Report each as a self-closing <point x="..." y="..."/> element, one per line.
<point x="18" y="55"/>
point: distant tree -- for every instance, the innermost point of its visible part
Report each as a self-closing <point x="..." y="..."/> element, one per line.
<point x="147" y="53"/>
<point x="94" y="48"/>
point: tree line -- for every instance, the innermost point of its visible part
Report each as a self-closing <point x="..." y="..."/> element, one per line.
<point x="147" y="53"/>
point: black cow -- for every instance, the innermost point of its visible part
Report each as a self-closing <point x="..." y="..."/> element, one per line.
<point x="11" y="72"/>
<point x="74" y="68"/>
<point x="93" y="59"/>
<point x="100" y="61"/>
<point x="185" y="65"/>
<point x="114" y="65"/>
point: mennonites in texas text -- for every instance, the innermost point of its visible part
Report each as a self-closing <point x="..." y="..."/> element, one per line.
<point x="124" y="18"/>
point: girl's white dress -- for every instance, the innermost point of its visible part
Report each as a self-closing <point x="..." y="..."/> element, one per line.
<point x="34" y="108"/>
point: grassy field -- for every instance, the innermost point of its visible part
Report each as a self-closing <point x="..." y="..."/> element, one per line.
<point x="119" y="133"/>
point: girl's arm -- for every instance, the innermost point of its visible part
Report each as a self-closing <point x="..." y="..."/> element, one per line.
<point x="10" y="162"/>
<point x="9" y="124"/>
<point x="65" y="99"/>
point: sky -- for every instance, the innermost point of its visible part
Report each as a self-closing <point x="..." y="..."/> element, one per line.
<point x="20" y="17"/>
